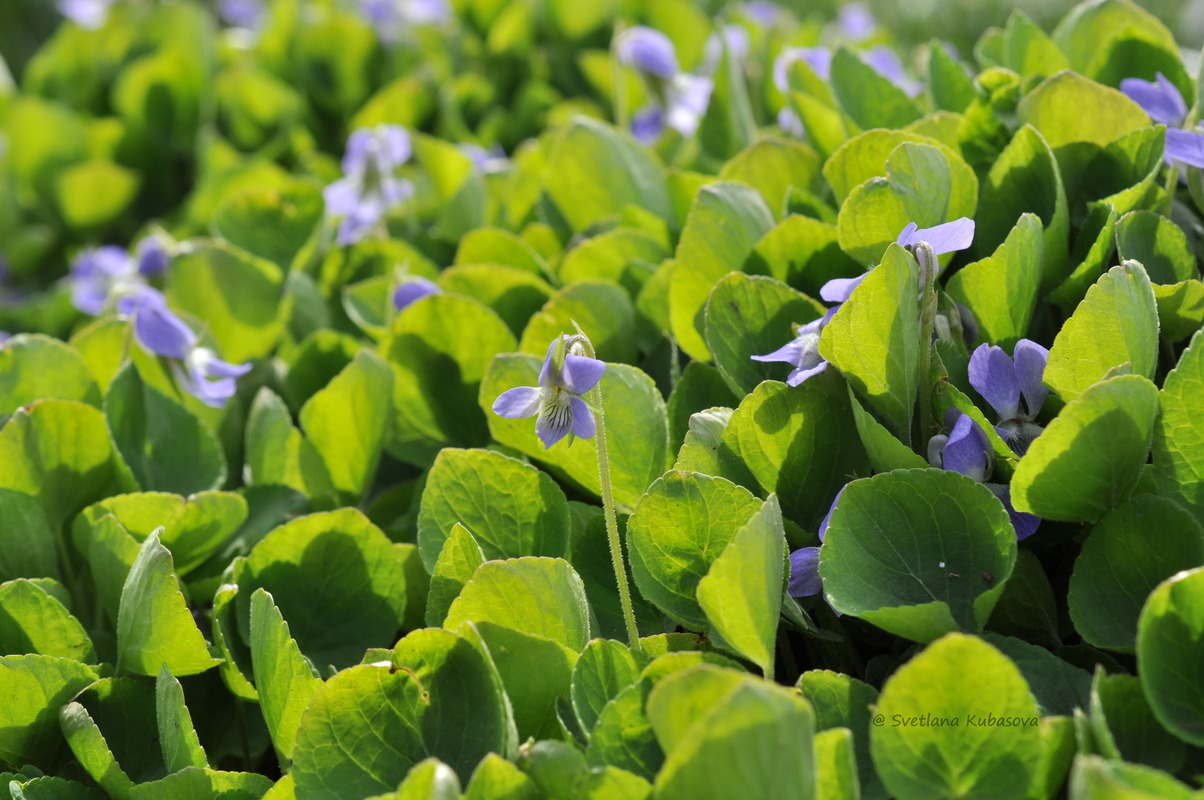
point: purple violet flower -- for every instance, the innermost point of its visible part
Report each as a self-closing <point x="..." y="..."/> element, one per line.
<point x="681" y="99"/>
<point x="369" y="187"/>
<point x="198" y="370"/>
<point x="945" y="238"/>
<point x="819" y="59"/>
<point x="246" y="14"/>
<point x="1159" y="98"/>
<point x="804" y="562"/>
<point x="855" y="21"/>
<point x="1002" y="381"/>
<point x="803" y="351"/>
<point x="97" y="273"/>
<point x="414" y="288"/>
<point x="392" y="18"/>
<point x="88" y="14"/>
<point x="485" y="161"/>
<point x="967" y="451"/>
<point x="1185" y="146"/>
<point x="557" y="399"/>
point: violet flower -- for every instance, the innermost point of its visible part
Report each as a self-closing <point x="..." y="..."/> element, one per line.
<point x="566" y="375"/>
<point x="855" y="21"/>
<point x="247" y="14"/>
<point x="414" y="288"/>
<point x="803" y="351"/>
<point x="198" y="370"/>
<point x="486" y="162"/>
<point x="1002" y="382"/>
<point x="945" y="238"/>
<point x="1164" y="103"/>
<point x="967" y="451"/>
<point x="101" y="273"/>
<point x="680" y="98"/>
<point x="369" y="187"/>
<point x="1159" y="98"/>
<point x="804" y="562"/>
<point x="392" y="18"/>
<point x="88" y="14"/>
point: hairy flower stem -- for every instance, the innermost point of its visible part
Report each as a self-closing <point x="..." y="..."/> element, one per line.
<point x="926" y="257"/>
<point x="608" y="504"/>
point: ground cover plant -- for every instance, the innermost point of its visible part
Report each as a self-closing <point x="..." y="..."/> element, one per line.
<point x="602" y="400"/>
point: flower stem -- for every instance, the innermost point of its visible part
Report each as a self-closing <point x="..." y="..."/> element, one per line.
<point x="929" y="265"/>
<point x="608" y="505"/>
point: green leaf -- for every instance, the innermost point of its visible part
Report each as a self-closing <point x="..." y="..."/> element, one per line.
<point x="605" y="669"/>
<point x="602" y="309"/>
<point x="843" y="702"/>
<point x="369" y="725"/>
<point x="177" y="736"/>
<point x="700" y="387"/>
<point x="802" y="252"/>
<point x="273" y="223"/>
<point x="95" y="193"/>
<point x="748" y="315"/>
<point x="1054" y="108"/>
<point x="725" y="223"/>
<point x="193" y="527"/>
<point x="33" y="621"/>
<point x="195" y="783"/>
<point x="316" y="568"/>
<point x="510" y="508"/>
<point x="728" y="126"/>
<point x="35" y="367"/>
<point x="865" y="156"/>
<point x="677" y="531"/>
<point x="868" y="97"/>
<point x="32" y="690"/>
<point x="622" y="256"/>
<point x="154" y="625"/>
<point x="1087" y="31"/>
<point x="1025" y="178"/>
<point x="884" y="450"/>
<point x="593" y="171"/>
<point x="1095" y="777"/>
<point x="874" y="339"/>
<point x="1092" y="253"/>
<point x="1170" y="648"/>
<point x="950" y="84"/>
<point x="240" y="297"/>
<point x="772" y="166"/>
<point x="1117" y="323"/>
<point x="540" y="596"/>
<point x="515" y="294"/>
<point x="741" y="594"/>
<point x="496" y="778"/>
<point x="1091" y="455"/>
<point x="28" y="543"/>
<point x="458" y="560"/>
<point x="499" y="246"/>
<point x="347" y="421"/>
<point x="64" y="480"/>
<point x="1132" y="549"/>
<point x="1180" y="309"/>
<point x="1056" y="685"/>
<point x="1030" y="50"/>
<point x="1121" y="715"/>
<point x="637" y="428"/>
<point x="623" y="737"/>
<point x="918" y="552"/>
<point x="110" y="552"/>
<point x="835" y="765"/>
<point x="1159" y="244"/>
<point x="927" y="184"/>
<point x="1179" y="430"/>
<point x="285" y="681"/>
<point x="757" y="741"/>
<point x="797" y="442"/>
<point x="437" y="372"/>
<point x="279" y="454"/>
<point x="1028" y="610"/>
<point x="937" y="739"/>
<point x="164" y="445"/>
<point x="1001" y="290"/>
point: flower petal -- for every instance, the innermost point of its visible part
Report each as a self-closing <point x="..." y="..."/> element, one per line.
<point x="342" y="196"/>
<point x="804" y="573"/>
<point x="803" y="373"/>
<point x="210" y="366"/>
<point x="819" y="59"/>
<point x="649" y="51"/>
<point x="413" y="289"/>
<point x="584" y="425"/>
<point x="581" y="373"/>
<point x="838" y="290"/>
<point x="555" y="419"/>
<point x="1185" y="146"/>
<point x="687" y="98"/>
<point x="1023" y="523"/>
<point x="856" y="22"/>
<point x="1158" y="98"/>
<point x="967" y="450"/>
<point x="944" y="238"/>
<point x="518" y="403"/>
<point x="790" y="353"/>
<point x="1030" y="359"/>
<point x="823" y="525"/>
<point x="648" y="124"/>
<point x="993" y="375"/>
